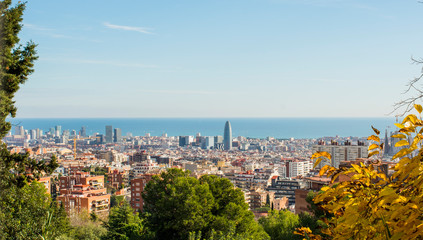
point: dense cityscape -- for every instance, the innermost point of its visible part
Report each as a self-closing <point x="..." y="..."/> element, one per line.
<point x="204" y="85"/>
<point x="277" y="171"/>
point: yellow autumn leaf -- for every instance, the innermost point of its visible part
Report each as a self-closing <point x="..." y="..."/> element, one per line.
<point x="413" y="118"/>
<point x="356" y="167"/>
<point x="373" y="153"/>
<point x="399" y="136"/>
<point x="399" y="125"/>
<point x="323" y="170"/>
<point x="402" y="143"/>
<point x="376" y="131"/>
<point x="387" y="191"/>
<point x="410" y="119"/>
<point x="321" y="154"/>
<point x="401" y="153"/>
<point x="418" y="107"/>
<point x="400" y="199"/>
<point x="373" y="146"/>
<point x="374" y="138"/>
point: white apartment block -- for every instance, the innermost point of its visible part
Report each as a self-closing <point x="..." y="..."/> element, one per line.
<point x="340" y="153"/>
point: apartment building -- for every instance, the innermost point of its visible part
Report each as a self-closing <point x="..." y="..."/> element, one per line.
<point x="116" y="178"/>
<point x="137" y="187"/>
<point x="82" y="192"/>
<point x="345" y="152"/>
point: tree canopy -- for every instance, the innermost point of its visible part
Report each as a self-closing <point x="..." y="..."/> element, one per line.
<point x="177" y="205"/>
<point x="26" y="210"/>
<point x="123" y="224"/>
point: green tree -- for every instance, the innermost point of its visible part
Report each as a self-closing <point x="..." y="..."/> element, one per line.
<point x="116" y="200"/>
<point x="123" y="224"/>
<point x="26" y="211"/>
<point x="17" y="61"/>
<point x="83" y="227"/>
<point x="280" y="225"/>
<point x="178" y="206"/>
<point x="230" y="211"/>
<point x="29" y="213"/>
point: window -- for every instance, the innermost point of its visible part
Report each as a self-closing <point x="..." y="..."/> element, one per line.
<point x="138" y="183"/>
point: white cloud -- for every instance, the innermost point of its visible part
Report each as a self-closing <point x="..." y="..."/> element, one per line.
<point x="128" y="28"/>
<point x="36" y="27"/>
<point x="101" y="62"/>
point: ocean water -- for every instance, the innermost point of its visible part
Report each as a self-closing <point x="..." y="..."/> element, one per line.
<point x="248" y="127"/>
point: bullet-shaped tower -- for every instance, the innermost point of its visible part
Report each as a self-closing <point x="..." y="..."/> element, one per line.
<point x="227" y="140"/>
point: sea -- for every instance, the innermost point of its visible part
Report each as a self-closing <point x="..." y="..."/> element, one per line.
<point x="280" y="128"/>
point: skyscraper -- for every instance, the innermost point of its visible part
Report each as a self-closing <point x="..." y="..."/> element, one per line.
<point x="118" y="135"/>
<point x="19" y="130"/>
<point x="109" y="134"/>
<point x="58" y="129"/>
<point x="83" y="131"/>
<point x="227" y="140"/>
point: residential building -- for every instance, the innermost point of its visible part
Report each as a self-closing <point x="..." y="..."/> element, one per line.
<point x="82" y="192"/>
<point x="346" y="152"/>
<point x="137" y="187"/>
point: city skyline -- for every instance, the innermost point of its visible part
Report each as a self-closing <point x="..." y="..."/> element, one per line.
<point x="271" y="58"/>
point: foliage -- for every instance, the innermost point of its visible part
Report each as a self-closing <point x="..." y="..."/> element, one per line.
<point x="371" y="205"/>
<point x="96" y="171"/>
<point x="85" y="228"/>
<point x="280" y="224"/>
<point x="123" y="224"/>
<point x="116" y="200"/>
<point x="177" y="205"/>
<point x="16" y="61"/>
<point x="26" y="211"/>
<point x="29" y="213"/>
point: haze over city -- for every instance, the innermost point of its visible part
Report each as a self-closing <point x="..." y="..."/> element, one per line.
<point x="250" y="58"/>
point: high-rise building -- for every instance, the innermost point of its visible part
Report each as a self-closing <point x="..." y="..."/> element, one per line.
<point x="118" y="135"/>
<point x="227" y="140"/>
<point x="185" y="140"/>
<point x="52" y="132"/>
<point x="109" y="134"/>
<point x="19" y="130"/>
<point x="58" y="129"/>
<point x="218" y="139"/>
<point x="207" y="142"/>
<point x="83" y="131"/>
<point x="39" y="133"/>
<point x="33" y="134"/>
<point x="100" y="139"/>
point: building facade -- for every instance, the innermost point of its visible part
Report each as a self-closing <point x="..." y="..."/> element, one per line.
<point x="227" y="139"/>
<point x="137" y="187"/>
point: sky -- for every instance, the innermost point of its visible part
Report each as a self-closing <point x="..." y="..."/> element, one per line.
<point x="219" y="58"/>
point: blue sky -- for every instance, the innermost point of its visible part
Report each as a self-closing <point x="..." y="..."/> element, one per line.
<point x="220" y="58"/>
